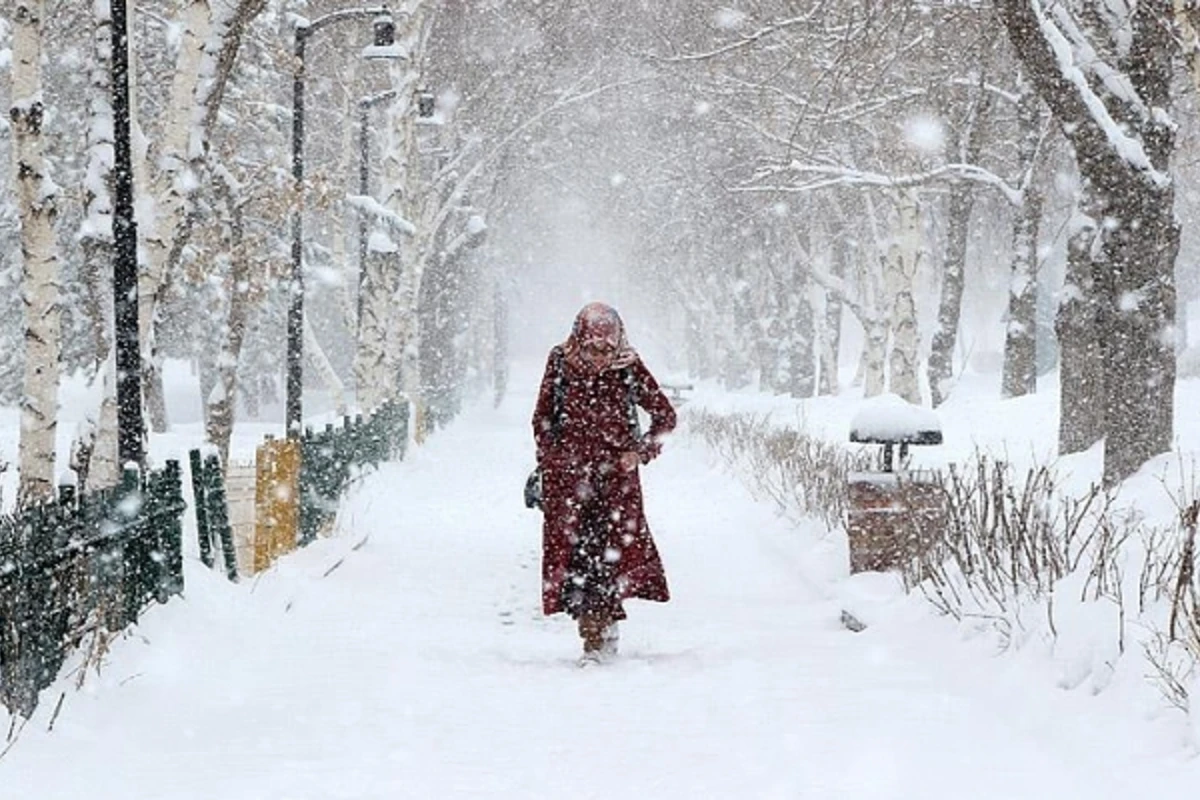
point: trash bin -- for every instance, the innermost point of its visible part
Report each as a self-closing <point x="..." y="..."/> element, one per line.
<point x="895" y="514"/>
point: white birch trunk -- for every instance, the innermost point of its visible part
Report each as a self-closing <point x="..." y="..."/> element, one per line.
<point x="171" y="184"/>
<point x="828" y="306"/>
<point x="875" y="311"/>
<point x="874" y="375"/>
<point x="371" y="360"/>
<point x="900" y="271"/>
<point x="96" y="231"/>
<point x="96" y="239"/>
<point x="93" y="454"/>
<point x="105" y="468"/>
<point x="37" y="198"/>
<point x="389" y="342"/>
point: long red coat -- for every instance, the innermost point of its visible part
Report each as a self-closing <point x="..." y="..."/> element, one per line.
<point x="580" y="466"/>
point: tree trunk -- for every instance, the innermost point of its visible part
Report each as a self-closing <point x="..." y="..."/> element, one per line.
<point x="941" y="354"/>
<point x="37" y="199"/>
<point x="900" y="273"/>
<point x="171" y="196"/>
<point x="1019" y="376"/>
<point x="1138" y="291"/>
<point x="500" y="349"/>
<point x="736" y="363"/>
<point x="373" y="379"/>
<point x="802" y="376"/>
<point x="1123" y="143"/>
<point x="1081" y="354"/>
<point x="392" y="351"/>
<point x="968" y="143"/>
<point x="831" y="327"/>
<point x="104" y="471"/>
<point x="221" y="403"/>
<point x="874" y="374"/>
<point x="205" y="62"/>
<point x="97" y="442"/>
<point x="96" y="232"/>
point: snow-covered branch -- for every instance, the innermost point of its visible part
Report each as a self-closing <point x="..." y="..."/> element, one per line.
<point x="751" y="39"/>
<point x="373" y="208"/>
<point x="826" y="177"/>
<point x="1069" y="62"/>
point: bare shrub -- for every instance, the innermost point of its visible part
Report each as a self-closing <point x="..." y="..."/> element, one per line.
<point x="1170" y="572"/>
<point x="1006" y="541"/>
<point x="803" y="475"/>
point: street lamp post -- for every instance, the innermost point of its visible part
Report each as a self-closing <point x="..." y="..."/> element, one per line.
<point x="383" y="47"/>
<point x="130" y="425"/>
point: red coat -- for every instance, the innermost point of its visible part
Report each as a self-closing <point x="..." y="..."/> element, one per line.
<point x="593" y="431"/>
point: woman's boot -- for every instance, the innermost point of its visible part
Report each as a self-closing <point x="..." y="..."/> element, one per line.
<point x="591" y="631"/>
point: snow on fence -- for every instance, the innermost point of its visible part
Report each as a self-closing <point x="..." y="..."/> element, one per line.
<point x="88" y="562"/>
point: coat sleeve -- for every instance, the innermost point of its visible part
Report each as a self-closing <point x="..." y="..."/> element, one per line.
<point x="658" y="406"/>
<point x="543" y="411"/>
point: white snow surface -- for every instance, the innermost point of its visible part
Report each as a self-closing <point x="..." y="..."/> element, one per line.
<point x="406" y="657"/>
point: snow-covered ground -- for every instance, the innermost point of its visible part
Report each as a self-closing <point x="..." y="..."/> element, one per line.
<point x="406" y="657"/>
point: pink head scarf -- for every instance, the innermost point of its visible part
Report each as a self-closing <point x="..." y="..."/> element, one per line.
<point x="598" y="328"/>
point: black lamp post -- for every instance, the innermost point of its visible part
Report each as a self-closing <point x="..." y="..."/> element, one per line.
<point x="384" y="32"/>
<point x="130" y="425"/>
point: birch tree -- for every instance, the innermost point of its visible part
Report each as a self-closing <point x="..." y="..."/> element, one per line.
<point x="901" y="262"/>
<point x="37" y="198"/>
<point x="95" y="448"/>
<point x="209" y="42"/>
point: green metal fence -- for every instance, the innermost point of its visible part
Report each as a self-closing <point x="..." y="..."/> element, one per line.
<point x="329" y="459"/>
<point x="88" y="561"/>
<point x="212" y="512"/>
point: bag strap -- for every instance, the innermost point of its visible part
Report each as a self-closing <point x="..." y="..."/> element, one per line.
<point x="560" y="393"/>
<point x="631" y="396"/>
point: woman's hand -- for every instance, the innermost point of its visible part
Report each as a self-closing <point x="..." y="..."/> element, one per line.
<point x="628" y="461"/>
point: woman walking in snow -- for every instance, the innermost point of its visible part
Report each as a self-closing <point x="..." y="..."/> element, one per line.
<point x="596" y="546"/>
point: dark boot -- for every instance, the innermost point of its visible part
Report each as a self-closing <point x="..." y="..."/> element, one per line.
<point x="591" y="631"/>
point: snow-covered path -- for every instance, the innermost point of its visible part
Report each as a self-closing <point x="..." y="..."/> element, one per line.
<point x="407" y="658"/>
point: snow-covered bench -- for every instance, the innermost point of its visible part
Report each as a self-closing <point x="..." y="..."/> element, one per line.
<point x="896" y="514"/>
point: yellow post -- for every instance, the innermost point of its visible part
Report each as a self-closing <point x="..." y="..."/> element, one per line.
<point x="277" y="500"/>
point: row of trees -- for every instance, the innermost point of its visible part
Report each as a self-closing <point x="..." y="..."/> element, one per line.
<point x="871" y="156"/>
<point x="783" y="166"/>
<point x="212" y="124"/>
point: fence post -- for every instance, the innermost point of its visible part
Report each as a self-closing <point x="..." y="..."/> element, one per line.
<point x="218" y="513"/>
<point x="200" y="501"/>
<point x="35" y="634"/>
<point x="173" y="506"/>
<point x="312" y="464"/>
<point x="12" y="593"/>
<point x="128" y="512"/>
